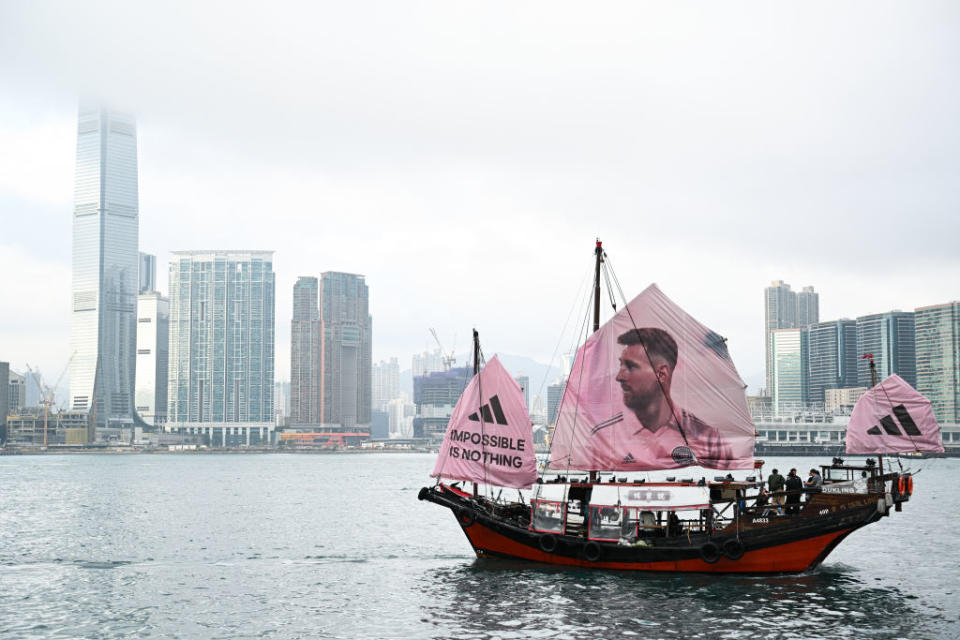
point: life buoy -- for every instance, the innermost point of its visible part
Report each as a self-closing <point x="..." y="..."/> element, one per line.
<point x="710" y="552"/>
<point x="909" y="485"/>
<point x="592" y="551"/>
<point x="733" y="549"/>
<point x="902" y="485"/>
<point x="466" y="516"/>
<point x="548" y="542"/>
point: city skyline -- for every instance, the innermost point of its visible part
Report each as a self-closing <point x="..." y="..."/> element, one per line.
<point x="394" y="183"/>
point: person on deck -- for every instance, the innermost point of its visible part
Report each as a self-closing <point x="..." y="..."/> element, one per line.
<point x="794" y="487"/>
<point x="666" y="432"/>
<point x="814" y="484"/>
<point x="775" y="484"/>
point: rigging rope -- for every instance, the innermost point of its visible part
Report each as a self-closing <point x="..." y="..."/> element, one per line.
<point x="576" y="408"/>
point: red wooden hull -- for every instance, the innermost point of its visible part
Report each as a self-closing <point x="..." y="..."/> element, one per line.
<point x="791" y="557"/>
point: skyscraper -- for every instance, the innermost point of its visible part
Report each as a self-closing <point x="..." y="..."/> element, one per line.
<point x="524" y="382"/>
<point x="426" y="362"/>
<point x="386" y="383"/>
<point x="105" y="267"/>
<point x="222" y="346"/>
<point x="780" y="312"/>
<point x="831" y="357"/>
<point x="890" y="338"/>
<point x="305" y="331"/>
<point x="938" y="358"/>
<point x="147" y="273"/>
<point x="808" y="307"/>
<point x="346" y="353"/>
<point x="786" y="309"/>
<point x="789" y="355"/>
<point x="18" y="392"/>
<point x="153" y="327"/>
<point x="554" y="397"/>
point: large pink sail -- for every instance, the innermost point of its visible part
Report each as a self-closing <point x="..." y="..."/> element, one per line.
<point x="489" y="438"/>
<point x="653" y="389"/>
<point x="893" y="417"/>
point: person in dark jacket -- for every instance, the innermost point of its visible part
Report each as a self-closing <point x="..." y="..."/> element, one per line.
<point x="794" y="487"/>
<point x="775" y="485"/>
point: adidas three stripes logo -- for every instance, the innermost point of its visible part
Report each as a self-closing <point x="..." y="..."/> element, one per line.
<point x="496" y="415"/>
<point x="890" y="427"/>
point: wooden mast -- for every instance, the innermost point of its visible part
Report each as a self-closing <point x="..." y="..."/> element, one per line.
<point x="594" y="475"/>
<point x="476" y="371"/>
<point x="596" y="287"/>
<point x="873" y="383"/>
<point x="476" y="352"/>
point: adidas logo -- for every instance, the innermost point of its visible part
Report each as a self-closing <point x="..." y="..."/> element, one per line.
<point x="628" y="458"/>
<point x="496" y="416"/>
<point x="890" y="427"/>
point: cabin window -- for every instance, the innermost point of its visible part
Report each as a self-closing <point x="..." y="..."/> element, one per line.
<point x="608" y="522"/>
<point x="548" y="516"/>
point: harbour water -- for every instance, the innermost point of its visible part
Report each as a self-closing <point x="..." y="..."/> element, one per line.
<point x="338" y="546"/>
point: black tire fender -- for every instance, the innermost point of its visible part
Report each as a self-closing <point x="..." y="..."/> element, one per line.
<point x="592" y="551"/>
<point x="466" y="516"/>
<point x="733" y="549"/>
<point x="548" y="542"/>
<point x="710" y="552"/>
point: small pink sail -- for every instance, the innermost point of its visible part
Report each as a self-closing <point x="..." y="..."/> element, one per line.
<point x="489" y="438"/>
<point x="653" y="389"/>
<point x="893" y="417"/>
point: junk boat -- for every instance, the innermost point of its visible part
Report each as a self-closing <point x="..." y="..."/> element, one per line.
<point x="654" y="390"/>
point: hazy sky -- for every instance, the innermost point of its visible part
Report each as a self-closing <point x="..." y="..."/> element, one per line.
<point x="464" y="156"/>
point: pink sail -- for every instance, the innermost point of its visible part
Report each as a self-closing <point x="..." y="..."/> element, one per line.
<point x="893" y="417"/>
<point x="489" y="438"/>
<point x="653" y="389"/>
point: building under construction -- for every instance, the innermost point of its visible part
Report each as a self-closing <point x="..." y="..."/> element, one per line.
<point x="26" y="428"/>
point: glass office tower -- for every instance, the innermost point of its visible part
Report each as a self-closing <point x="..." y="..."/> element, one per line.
<point x="831" y="357"/>
<point x="938" y="358"/>
<point x="891" y="339"/>
<point x="105" y="264"/>
<point x="789" y="354"/>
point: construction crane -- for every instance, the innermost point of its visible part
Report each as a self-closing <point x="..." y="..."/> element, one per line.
<point x="448" y="360"/>
<point x="48" y="394"/>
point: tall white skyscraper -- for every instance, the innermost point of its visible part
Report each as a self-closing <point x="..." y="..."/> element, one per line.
<point x="105" y="264"/>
